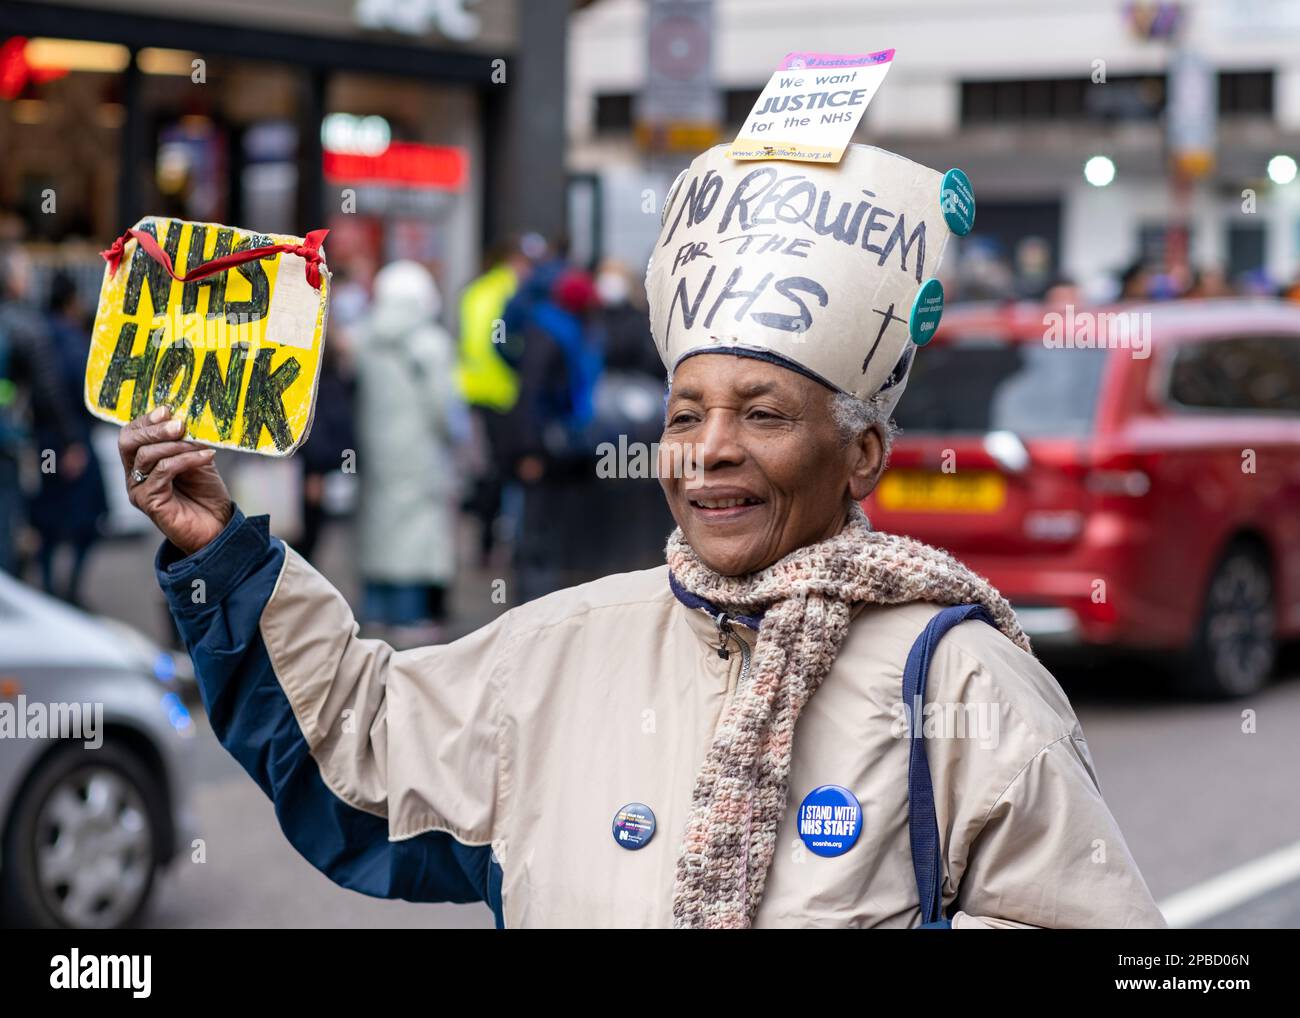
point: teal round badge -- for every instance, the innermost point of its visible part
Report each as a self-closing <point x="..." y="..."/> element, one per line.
<point x="830" y="820"/>
<point x="957" y="199"/>
<point x="927" y="309"/>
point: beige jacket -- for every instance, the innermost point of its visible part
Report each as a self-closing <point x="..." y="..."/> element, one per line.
<point x="529" y="735"/>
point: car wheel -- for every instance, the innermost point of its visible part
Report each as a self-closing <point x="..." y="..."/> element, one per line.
<point x="1235" y="645"/>
<point x="81" y="847"/>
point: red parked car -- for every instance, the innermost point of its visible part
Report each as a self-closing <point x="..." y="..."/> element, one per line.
<point x="1117" y="500"/>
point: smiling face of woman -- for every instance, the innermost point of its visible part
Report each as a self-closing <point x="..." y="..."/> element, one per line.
<point x="769" y="469"/>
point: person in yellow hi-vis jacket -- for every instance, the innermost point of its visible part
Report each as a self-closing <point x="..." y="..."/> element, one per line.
<point x="483" y="376"/>
<point x="770" y="729"/>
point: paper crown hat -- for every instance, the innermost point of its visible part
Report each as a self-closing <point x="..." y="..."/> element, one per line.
<point x="828" y="269"/>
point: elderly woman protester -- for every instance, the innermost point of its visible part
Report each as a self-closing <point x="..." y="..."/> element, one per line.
<point x="768" y="730"/>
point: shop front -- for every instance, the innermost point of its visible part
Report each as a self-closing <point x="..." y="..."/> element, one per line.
<point x="386" y="122"/>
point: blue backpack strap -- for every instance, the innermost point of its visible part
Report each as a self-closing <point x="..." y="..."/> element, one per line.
<point x="924" y="828"/>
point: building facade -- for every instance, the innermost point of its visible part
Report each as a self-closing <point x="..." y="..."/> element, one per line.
<point x="396" y="123"/>
<point x="1020" y="94"/>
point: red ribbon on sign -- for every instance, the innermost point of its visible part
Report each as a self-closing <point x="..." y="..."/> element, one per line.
<point x="308" y="250"/>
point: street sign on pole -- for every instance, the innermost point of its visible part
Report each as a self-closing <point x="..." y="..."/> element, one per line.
<point x="679" y="109"/>
<point x="1191" y="117"/>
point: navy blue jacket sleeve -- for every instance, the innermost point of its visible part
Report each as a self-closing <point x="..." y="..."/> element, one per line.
<point x="217" y="597"/>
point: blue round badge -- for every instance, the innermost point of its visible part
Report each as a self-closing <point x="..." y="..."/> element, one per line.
<point x="634" y="825"/>
<point x="830" y="820"/>
<point x="927" y="309"/>
<point x="957" y="200"/>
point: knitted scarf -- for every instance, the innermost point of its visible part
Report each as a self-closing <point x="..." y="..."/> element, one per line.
<point x="805" y="600"/>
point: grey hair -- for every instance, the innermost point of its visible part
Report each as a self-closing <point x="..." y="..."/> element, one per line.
<point x="854" y="416"/>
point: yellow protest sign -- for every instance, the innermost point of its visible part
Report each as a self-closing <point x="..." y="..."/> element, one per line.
<point x="224" y="325"/>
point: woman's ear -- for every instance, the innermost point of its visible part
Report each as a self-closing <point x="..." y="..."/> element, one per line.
<point x="867" y="462"/>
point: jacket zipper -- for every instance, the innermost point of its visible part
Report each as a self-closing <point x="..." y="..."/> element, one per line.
<point x="727" y="632"/>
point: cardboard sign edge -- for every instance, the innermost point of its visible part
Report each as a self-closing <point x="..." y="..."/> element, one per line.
<point x="100" y="414"/>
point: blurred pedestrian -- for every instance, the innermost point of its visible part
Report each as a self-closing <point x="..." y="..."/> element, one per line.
<point x="330" y="449"/>
<point x="407" y="419"/>
<point x="486" y="380"/>
<point x="1135" y="281"/>
<point x="70" y="502"/>
<point x="546" y="267"/>
<point x="1063" y="291"/>
<point x="1257" y="283"/>
<point x="349" y="298"/>
<point x="325" y="451"/>
<point x="1033" y="266"/>
<point x="628" y="413"/>
<point x="548" y="438"/>
<point x="30" y="388"/>
<point x="1209" y="281"/>
<point x="627" y="344"/>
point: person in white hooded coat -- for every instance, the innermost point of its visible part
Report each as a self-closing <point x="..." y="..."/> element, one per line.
<point x="406" y="403"/>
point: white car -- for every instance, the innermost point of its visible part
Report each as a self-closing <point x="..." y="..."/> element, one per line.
<point x="94" y="762"/>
